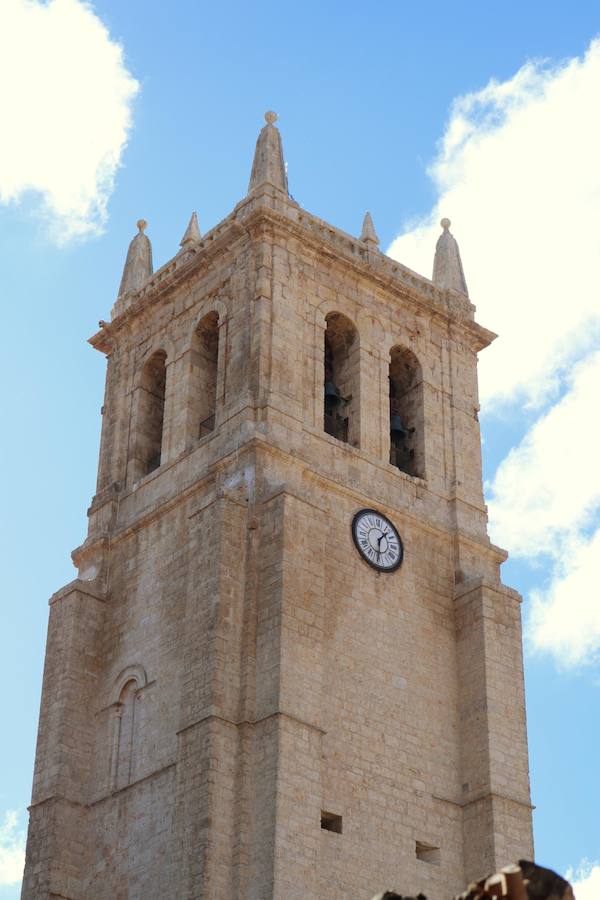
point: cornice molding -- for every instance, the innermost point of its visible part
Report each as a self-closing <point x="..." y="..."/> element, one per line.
<point x="276" y="212"/>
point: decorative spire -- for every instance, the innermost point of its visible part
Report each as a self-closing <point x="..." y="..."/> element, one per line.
<point x="268" y="166"/>
<point x="368" y="233"/>
<point x="192" y="232"/>
<point x="138" y="265"/>
<point x="447" y="265"/>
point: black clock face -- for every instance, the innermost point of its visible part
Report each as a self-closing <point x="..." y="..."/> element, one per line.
<point x="377" y="540"/>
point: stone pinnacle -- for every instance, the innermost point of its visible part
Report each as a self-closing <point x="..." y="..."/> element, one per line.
<point x="192" y="232"/>
<point x="138" y="264"/>
<point x="268" y="166"/>
<point x="368" y="233"/>
<point x="447" y="264"/>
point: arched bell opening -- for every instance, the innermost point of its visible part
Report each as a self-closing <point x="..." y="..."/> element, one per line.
<point x="151" y="413"/>
<point x="205" y="362"/>
<point x="341" y="379"/>
<point x="406" y="412"/>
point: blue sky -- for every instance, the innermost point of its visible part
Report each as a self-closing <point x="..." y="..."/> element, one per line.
<point x="482" y="112"/>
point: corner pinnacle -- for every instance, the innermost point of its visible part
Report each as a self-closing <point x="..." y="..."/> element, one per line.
<point x="447" y="264"/>
<point x="368" y="233"/>
<point x="138" y="264"/>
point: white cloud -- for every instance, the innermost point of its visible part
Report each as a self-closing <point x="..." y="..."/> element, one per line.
<point x="585" y="881"/>
<point x="518" y="172"/>
<point x="545" y="500"/>
<point x="565" y="617"/>
<point x="65" y="110"/>
<point x="548" y="488"/>
<point x="12" y="851"/>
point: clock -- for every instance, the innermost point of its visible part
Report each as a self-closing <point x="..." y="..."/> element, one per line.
<point x="377" y="540"/>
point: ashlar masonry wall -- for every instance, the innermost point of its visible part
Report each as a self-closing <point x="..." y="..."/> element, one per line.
<point x="227" y="674"/>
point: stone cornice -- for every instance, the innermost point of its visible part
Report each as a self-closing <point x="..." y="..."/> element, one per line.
<point x="167" y="278"/>
<point x="271" y="207"/>
<point x="258" y="443"/>
<point x="451" y="308"/>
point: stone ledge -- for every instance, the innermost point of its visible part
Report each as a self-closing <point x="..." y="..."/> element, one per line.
<point x="78" y="586"/>
<point x="463" y="590"/>
<point x="246" y="722"/>
<point x="417" y="289"/>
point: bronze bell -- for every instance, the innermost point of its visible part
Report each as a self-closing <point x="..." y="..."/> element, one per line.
<point x="332" y="395"/>
<point x="397" y="427"/>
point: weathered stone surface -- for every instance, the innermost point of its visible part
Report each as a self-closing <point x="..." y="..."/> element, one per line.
<point x="447" y="264"/>
<point x="192" y="232"/>
<point x="226" y="673"/>
<point x="138" y="265"/>
<point x="268" y="166"/>
<point x="368" y="233"/>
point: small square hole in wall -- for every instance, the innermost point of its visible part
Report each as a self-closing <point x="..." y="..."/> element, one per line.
<point x="428" y="853"/>
<point x="331" y="822"/>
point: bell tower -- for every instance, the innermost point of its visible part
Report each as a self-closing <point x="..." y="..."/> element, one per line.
<point x="287" y="666"/>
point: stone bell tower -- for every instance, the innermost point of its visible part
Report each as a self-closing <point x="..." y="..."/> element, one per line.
<point x="287" y="667"/>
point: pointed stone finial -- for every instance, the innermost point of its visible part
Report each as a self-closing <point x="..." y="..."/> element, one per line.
<point x="268" y="166"/>
<point x="447" y="264"/>
<point x="368" y="233"/>
<point x="192" y="232"/>
<point x="138" y="265"/>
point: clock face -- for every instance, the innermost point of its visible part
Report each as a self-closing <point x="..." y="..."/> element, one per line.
<point x="377" y="540"/>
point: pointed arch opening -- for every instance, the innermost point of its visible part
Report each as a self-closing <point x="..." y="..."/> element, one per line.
<point x="151" y="413"/>
<point x="406" y="412"/>
<point x="341" y="379"/>
<point x="204" y="372"/>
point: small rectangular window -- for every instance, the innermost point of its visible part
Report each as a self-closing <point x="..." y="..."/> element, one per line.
<point x="331" y="822"/>
<point x="428" y="853"/>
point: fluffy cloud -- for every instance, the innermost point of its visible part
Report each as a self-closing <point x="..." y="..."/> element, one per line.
<point x="517" y="167"/>
<point x="585" y="881"/>
<point x="565" y="617"/>
<point x="12" y="851"/>
<point x="545" y="500"/>
<point x="518" y="170"/>
<point x="548" y="488"/>
<point x="66" y="111"/>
